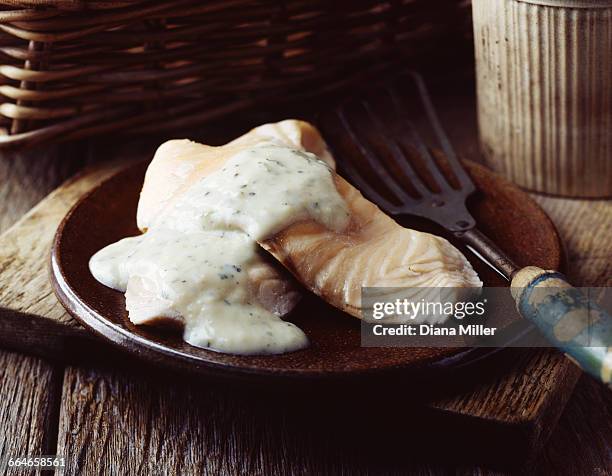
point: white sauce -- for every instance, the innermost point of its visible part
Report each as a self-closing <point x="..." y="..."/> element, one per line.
<point x="194" y="260"/>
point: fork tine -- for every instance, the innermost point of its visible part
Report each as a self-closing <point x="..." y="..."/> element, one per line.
<point x="398" y="155"/>
<point x="363" y="185"/>
<point x="372" y="161"/>
<point x="464" y="179"/>
<point x="429" y="162"/>
<point x="368" y="190"/>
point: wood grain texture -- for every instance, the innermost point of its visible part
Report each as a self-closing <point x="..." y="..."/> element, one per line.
<point x="122" y="423"/>
<point x="29" y="397"/>
<point x="581" y="444"/>
<point x="29" y="312"/>
<point x="30" y="388"/>
<point x="519" y="406"/>
<point x="127" y="423"/>
<point x="214" y="431"/>
<point x="589" y="253"/>
<point x="24" y="250"/>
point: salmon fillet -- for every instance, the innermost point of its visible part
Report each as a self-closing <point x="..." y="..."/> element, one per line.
<point x="177" y="164"/>
<point x="372" y="251"/>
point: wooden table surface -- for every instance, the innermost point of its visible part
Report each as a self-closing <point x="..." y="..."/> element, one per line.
<point x="106" y="421"/>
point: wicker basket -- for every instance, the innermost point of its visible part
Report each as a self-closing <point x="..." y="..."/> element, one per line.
<point x="78" y="68"/>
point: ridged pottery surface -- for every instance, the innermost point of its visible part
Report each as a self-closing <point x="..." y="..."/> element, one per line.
<point x="544" y="72"/>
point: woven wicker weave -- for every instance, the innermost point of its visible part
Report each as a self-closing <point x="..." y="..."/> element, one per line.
<point x="76" y="68"/>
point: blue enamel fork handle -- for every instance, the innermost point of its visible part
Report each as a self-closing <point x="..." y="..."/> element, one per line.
<point x="579" y="327"/>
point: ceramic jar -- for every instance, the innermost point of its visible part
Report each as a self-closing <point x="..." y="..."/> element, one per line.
<point x="544" y="82"/>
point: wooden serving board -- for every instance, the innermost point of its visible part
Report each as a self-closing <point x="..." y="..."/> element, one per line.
<point x="513" y="408"/>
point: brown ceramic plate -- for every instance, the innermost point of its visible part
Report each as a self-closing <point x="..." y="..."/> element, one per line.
<point x="108" y="212"/>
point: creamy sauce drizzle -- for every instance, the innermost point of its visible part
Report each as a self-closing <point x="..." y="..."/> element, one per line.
<point x="193" y="262"/>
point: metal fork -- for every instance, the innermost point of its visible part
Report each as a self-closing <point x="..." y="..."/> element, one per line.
<point x="554" y="304"/>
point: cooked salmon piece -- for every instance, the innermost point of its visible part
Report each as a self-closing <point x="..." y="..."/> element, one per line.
<point x="179" y="163"/>
<point x="372" y="251"/>
<point x="176" y="164"/>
